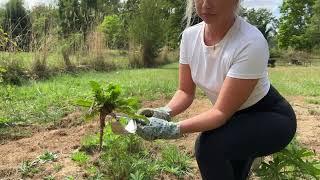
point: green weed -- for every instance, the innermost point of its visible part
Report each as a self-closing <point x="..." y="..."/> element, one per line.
<point x="28" y="168"/>
<point x="47" y="156"/>
<point x="80" y="157"/>
<point x="294" y="162"/>
<point x="175" y="161"/>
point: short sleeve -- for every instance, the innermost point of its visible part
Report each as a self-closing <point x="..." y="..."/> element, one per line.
<point x="251" y="61"/>
<point x="184" y="58"/>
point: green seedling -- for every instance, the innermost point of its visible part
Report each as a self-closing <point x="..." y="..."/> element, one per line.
<point x="107" y="101"/>
<point x="47" y="156"/>
<point x="28" y="168"/>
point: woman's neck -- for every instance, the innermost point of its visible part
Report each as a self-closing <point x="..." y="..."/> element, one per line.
<point x="215" y="32"/>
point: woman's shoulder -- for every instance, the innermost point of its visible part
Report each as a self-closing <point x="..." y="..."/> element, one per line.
<point x="194" y="29"/>
<point x="249" y="33"/>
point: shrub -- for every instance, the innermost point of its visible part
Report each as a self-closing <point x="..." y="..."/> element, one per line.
<point x="12" y="71"/>
<point x="39" y="68"/>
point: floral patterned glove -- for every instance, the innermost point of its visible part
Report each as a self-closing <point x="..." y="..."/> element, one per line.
<point x="161" y="112"/>
<point x="158" y="129"/>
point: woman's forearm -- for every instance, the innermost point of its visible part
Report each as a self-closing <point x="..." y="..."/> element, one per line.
<point x="208" y="120"/>
<point x="180" y="102"/>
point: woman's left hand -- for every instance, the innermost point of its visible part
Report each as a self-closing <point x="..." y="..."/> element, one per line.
<point x="158" y="129"/>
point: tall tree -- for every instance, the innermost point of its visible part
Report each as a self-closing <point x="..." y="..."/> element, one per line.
<point x="44" y="21"/>
<point x="2" y="13"/>
<point x="295" y="17"/>
<point x="70" y="17"/>
<point x="147" y="30"/>
<point x="174" y="12"/>
<point x="17" y="23"/>
<point x="113" y="28"/>
<point x="262" y="19"/>
<point x="109" y="7"/>
<point x="313" y="30"/>
<point x="88" y="10"/>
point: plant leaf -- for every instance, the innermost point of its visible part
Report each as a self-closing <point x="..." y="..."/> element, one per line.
<point x="83" y="103"/>
<point x="95" y="86"/>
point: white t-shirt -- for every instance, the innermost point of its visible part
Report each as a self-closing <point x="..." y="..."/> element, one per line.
<point x="242" y="53"/>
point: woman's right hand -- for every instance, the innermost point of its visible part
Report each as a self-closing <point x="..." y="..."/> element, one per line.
<point x="161" y="112"/>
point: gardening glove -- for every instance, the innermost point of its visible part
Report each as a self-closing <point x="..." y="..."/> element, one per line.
<point x="161" y="112"/>
<point x="158" y="129"/>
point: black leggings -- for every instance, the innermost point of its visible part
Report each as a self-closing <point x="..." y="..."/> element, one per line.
<point x="226" y="153"/>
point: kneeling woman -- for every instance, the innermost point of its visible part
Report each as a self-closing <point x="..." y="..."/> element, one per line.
<point x="227" y="58"/>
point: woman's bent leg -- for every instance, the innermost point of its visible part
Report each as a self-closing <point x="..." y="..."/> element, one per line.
<point x="224" y="152"/>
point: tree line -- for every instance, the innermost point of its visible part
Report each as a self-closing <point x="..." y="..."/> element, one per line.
<point x="144" y="25"/>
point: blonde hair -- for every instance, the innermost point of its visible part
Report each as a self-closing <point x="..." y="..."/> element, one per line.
<point x="190" y="11"/>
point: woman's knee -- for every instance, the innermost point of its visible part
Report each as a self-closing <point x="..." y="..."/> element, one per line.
<point x="208" y="145"/>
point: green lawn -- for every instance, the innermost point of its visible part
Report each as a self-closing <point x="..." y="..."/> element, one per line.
<point x="292" y="81"/>
<point x="45" y="101"/>
<point x="49" y="100"/>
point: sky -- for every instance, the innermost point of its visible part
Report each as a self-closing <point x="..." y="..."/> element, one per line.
<point x="272" y="5"/>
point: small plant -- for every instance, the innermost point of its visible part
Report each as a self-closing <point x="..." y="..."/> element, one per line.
<point x="47" y="157"/>
<point x="28" y="168"/>
<point x="294" y="162"/>
<point x="80" y="157"/>
<point x="137" y="176"/>
<point x="57" y="167"/>
<point x="106" y="101"/>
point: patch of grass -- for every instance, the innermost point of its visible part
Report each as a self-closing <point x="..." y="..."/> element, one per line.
<point x="296" y="81"/>
<point x="46" y="101"/>
<point x="55" y="59"/>
<point x="137" y="175"/>
<point x="121" y="156"/>
<point x="80" y="157"/>
<point x="50" y="177"/>
<point x="94" y="173"/>
<point x="90" y="143"/>
<point x="127" y="157"/>
<point x="57" y="167"/>
<point x="314" y="112"/>
<point x="8" y="132"/>
<point x="175" y="161"/>
<point x="69" y="178"/>
<point x="313" y="101"/>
